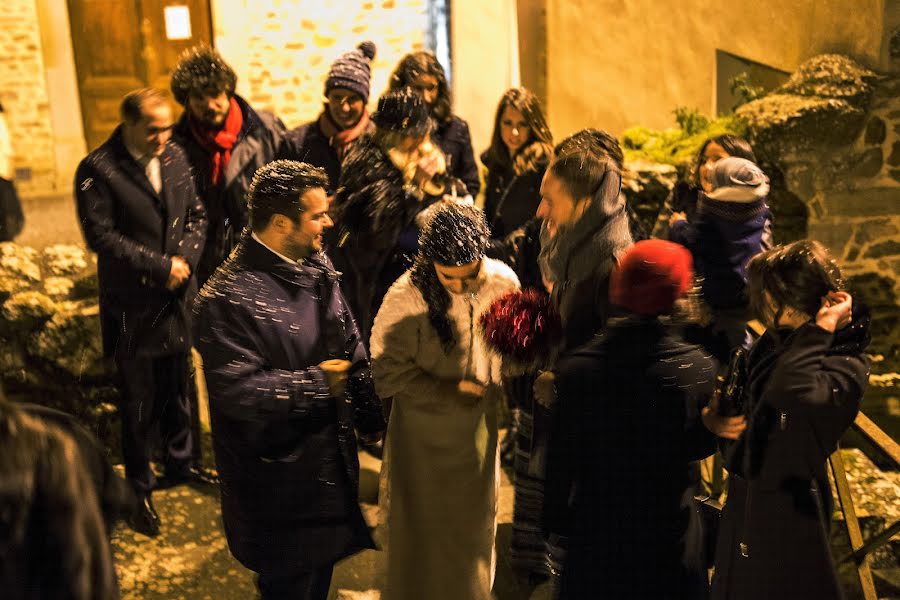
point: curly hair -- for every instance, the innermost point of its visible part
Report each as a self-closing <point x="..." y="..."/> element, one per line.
<point x="456" y="234"/>
<point x="414" y="65"/>
<point x="540" y="141"/>
<point x="201" y="71"/>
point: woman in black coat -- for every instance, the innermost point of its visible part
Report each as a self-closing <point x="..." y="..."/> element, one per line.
<point x="804" y="381"/>
<point x="423" y="74"/>
<point x="520" y="150"/>
<point x="627" y="426"/>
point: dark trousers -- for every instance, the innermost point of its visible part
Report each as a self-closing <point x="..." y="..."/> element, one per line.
<point x="310" y="585"/>
<point x="154" y="392"/>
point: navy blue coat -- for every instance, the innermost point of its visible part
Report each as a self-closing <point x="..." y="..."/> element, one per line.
<point x="285" y="449"/>
<point x="723" y="237"/>
<point x="453" y="138"/>
<point x="803" y="389"/>
<point x="135" y="232"/>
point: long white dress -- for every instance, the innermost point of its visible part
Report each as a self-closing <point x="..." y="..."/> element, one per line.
<point x="441" y="463"/>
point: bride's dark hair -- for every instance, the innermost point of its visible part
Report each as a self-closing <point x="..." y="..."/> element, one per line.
<point x="456" y="234"/>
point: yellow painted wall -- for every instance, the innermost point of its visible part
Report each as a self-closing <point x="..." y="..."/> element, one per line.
<point x="485" y="62"/>
<point x="615" y="63"/>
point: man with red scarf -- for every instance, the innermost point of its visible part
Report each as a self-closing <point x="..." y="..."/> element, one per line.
<point x="226" y="142"/>
<point x="325" y="141"/>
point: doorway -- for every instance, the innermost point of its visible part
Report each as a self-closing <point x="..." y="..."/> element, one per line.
<point x="122" y="45"/>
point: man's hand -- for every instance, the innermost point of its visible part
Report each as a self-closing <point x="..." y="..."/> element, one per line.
<point x="179" y="274"/>
<point x="675" y="217"/>
<point x="836" y="311"/>
<point x="545" y="389"/>
<point x="724" y="427"/>
<point x="470" y="390"/>
<point x="335" y="371"/>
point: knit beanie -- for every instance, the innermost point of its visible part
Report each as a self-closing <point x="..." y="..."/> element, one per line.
<point x="351" y="71"/>
<point x="456" y="234"/>
<point x="733" y="172"/>
<point x="403" y="112"/>
<point x="651" y="276"/>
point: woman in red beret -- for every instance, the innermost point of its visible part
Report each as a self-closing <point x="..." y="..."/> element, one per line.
<point x="628" y="424"/>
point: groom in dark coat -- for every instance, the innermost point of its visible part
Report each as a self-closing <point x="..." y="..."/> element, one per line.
<point x="288" y="382"/>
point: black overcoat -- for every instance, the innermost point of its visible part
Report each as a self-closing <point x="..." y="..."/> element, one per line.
<point x="454" y="139"/>
<point x="259" y="143"/>
<point x="626" y="428"/>
<point x="803" y="392"/>
<point x="135" y="233"/>
<point x="375" y="238"/>
<point x="285" y="450"/>
<point x="510" y="204"/>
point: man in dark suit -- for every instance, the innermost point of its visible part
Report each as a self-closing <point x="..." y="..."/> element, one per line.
<point x="288" y="381"/>
<point x="140" y="213"/>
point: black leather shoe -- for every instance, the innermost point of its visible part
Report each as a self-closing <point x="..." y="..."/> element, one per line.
<point x="189" y="475"/>
<point x="144" y="519"/>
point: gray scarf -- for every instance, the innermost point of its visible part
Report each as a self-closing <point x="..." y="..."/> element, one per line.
<point x="579" y="248"/>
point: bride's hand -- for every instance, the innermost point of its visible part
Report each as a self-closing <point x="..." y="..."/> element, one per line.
<point x="470" y="390"/>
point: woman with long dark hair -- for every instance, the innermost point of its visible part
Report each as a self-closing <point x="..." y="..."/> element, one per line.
<point x="441" y="465"/>
<point x="520" y="150"/>
<point x="803" y="383"/>
<point x="423" y="74"/>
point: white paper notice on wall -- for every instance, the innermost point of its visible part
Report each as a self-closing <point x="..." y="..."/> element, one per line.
<point x="178" y="22"/>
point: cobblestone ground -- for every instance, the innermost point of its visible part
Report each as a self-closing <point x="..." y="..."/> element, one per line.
<point x="190" y="558"/>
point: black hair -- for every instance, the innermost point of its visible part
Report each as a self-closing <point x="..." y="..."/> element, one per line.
<point x="539" y="145"/>
<point x="277" y="188"/>
<point x="132" y="108"/>
<point x="732" y="144"/>
<point x="201" y="71"/>
<point x="797" y="275"/>
<point x="456" y="234"/>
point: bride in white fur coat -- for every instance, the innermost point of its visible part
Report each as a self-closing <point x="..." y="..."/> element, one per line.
<point x="441" y="463"/>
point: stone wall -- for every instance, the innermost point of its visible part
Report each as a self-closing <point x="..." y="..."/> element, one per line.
<point x="23" y="92"/>
<point x="282" y="50"/>
<point x="830" y="140"/>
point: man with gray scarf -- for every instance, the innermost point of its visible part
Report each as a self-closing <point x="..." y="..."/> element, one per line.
<point x="585" y="230"/>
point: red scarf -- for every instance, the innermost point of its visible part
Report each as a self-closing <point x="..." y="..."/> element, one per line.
<point x="219" y="142"/>
<point x="339" y="139"/>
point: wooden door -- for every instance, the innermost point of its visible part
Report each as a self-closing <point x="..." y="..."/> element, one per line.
<point x="122" y="45"/>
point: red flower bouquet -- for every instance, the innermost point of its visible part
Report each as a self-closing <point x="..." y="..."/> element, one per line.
<point x="523" y="326"/>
